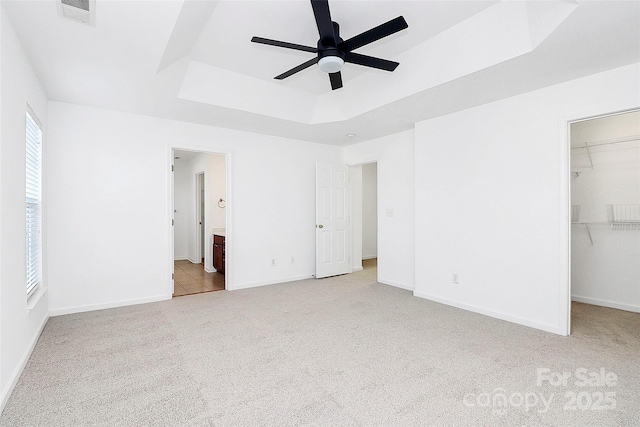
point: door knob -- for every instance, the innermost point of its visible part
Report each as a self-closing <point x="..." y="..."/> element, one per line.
<point x="320" y="226"/>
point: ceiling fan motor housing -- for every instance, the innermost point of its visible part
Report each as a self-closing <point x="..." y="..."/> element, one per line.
<point x="330" y="57"/>
<point x="328" y="47"/>
<point x="332" y="51"/>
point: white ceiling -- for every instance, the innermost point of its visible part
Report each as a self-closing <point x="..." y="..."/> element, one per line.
<point x="224" y="43"/>
<point x="185" y="155"/>
<point x="193" y="60"/>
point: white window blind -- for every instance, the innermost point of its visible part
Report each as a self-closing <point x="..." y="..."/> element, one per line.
<point x="33" y="193"/>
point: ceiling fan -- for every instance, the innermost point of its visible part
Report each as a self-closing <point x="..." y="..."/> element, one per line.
<point x="332" y="51"/>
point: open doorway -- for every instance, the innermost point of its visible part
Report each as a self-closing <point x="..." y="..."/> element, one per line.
<point x="364" y="189"/>
<point x="605" y="223"/>
<point x="370" y="217"/>
<point x="199" y="182"/>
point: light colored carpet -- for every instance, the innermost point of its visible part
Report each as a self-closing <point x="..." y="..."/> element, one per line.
<point x="343" y="351"/>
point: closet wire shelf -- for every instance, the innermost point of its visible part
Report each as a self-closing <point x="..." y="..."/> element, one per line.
<point x="622" y="217"/>
<point x="625" y="217"/>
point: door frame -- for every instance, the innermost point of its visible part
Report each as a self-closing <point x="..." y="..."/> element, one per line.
<point x="200" y="232"/>
<point x="351" y="165"/>
<point x="228" y="155"/>
<point x="565" y="203"/>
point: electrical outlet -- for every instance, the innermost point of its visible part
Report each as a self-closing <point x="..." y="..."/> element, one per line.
<point x="455" y="278"/>
<point x="273" y="262"/>
<point x="293" y="260"/>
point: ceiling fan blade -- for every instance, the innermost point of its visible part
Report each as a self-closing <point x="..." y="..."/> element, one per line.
<point x="370" y="61"/>
<point x="323" y="21"/>
<point x="377" y="33"/>
<point x="294" y="70"/>
<point x="336" y="80"/>
<point x="287" y="45"/>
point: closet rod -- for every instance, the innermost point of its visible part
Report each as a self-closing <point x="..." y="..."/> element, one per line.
<point x="610" y="142"/>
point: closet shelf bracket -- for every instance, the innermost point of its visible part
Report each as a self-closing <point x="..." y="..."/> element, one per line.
<point x="589" y="234"/>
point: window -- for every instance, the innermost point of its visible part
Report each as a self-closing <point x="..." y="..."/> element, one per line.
<point x="33" y="199"/>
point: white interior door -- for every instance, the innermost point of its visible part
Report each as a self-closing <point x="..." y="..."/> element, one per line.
<point x="332" y="220"/>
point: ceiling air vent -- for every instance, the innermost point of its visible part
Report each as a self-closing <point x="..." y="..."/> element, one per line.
<point x="78" y="10"/>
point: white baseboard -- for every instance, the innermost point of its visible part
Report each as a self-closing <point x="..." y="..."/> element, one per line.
<point x="181" y="258"/>
<point x="395" y="284"/>
<point x="271" y="282"/>
<point x="194" y="262"/>
<point x="497" y="315"/>
<point x="354" y="269"/>
<point x="369" y="257"/>
<point x="210" y="270"/>
<point x="15" y="376"/>
<point x="115" y="304"/>
<point x="606" y="303"/>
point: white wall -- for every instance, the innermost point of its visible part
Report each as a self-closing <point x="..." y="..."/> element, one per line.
<point x="120" y="253"/>
<point x="607" y="273"/>
<point x="394" y="156"/>
<point x="370" y="210"/>
<point x="492" y="199"/>
<point x="181" y="202"/>
<point x="218" y="190"/>
<point x="20" y="323"/>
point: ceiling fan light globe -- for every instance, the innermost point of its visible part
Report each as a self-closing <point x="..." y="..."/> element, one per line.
<point x="331" y="64"/>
